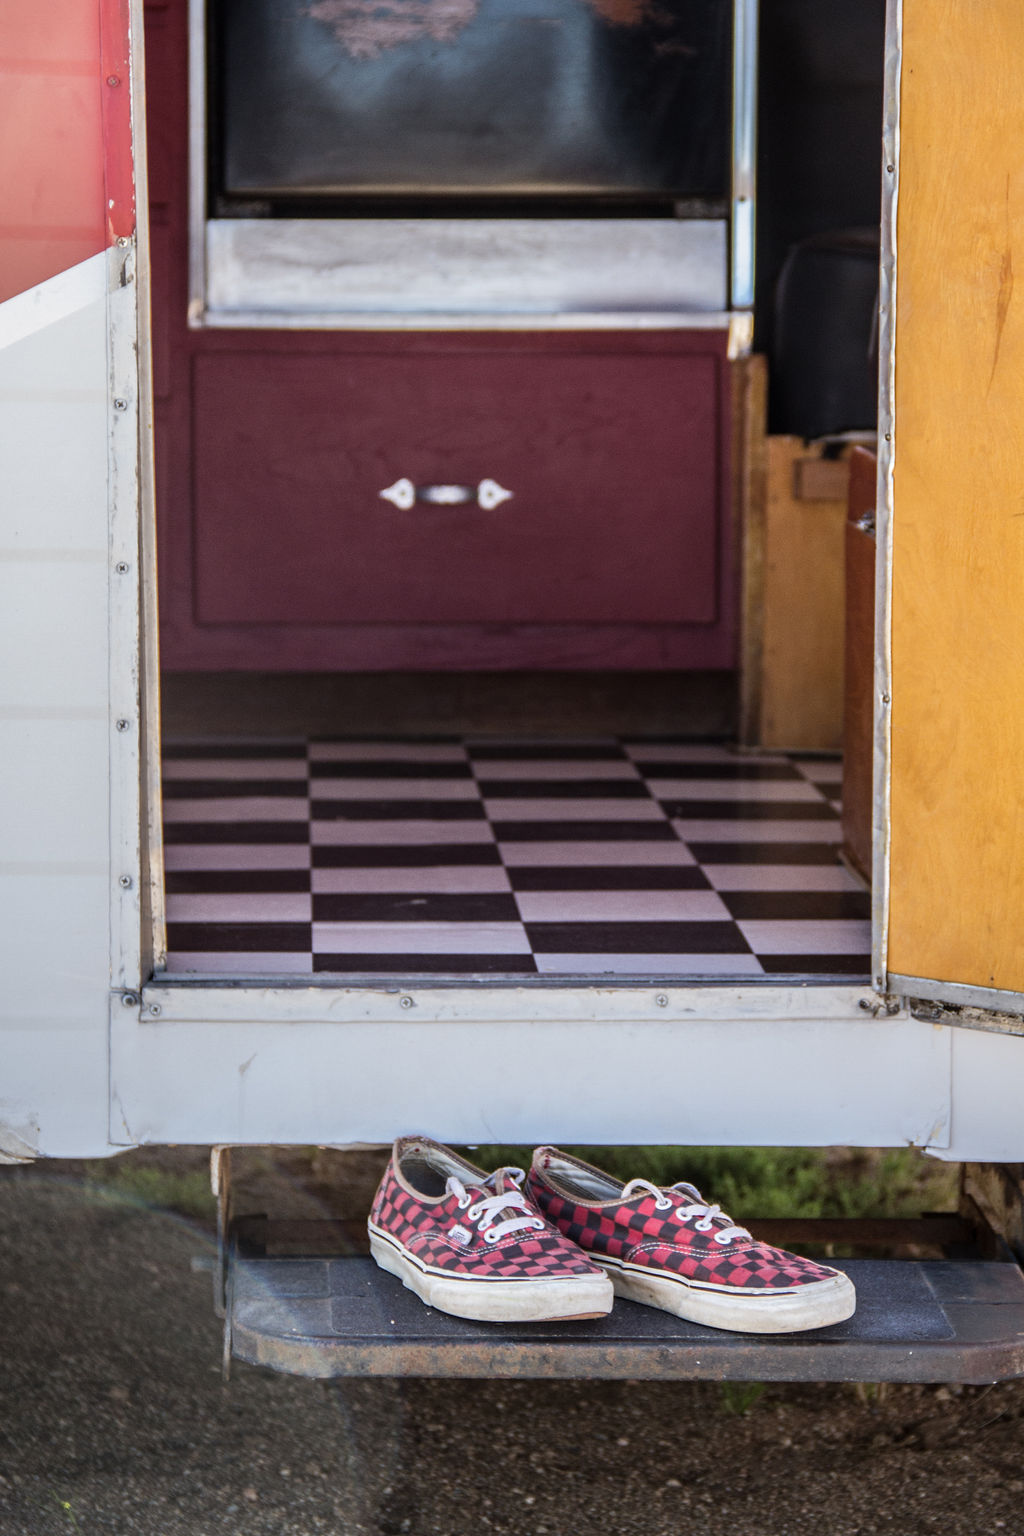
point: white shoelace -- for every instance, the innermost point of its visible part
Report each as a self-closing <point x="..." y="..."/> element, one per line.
<point x="485" y="1209"/>
<point x="692" y="1206"/>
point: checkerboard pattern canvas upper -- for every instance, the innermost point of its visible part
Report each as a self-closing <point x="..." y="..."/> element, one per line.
<point x="443" y="1235"/>
<point x="635" y="1231"/>
<point x="457" y="856"/>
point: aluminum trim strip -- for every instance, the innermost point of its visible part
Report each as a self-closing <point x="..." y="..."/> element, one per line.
<point x="884" y="499"/>
<point x="197" y="171"/>
<point x="961" y="995"/>
<point x="465" y="267"/>
<point x="335" y="320"/>
<point x="188" y="1001"/>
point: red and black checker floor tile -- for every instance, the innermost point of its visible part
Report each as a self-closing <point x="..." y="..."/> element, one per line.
<point x="452" y="856"/>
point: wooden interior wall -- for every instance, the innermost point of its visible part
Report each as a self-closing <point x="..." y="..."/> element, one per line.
<point x="957" y="813"/>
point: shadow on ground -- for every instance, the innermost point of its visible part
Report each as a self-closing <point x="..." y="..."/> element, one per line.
<point x="114" y="1419"/>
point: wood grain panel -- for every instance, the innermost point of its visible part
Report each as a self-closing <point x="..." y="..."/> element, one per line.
<point x="957" y="859"/>
<point x="859" y="664"/>
<point x="801" y="705"/>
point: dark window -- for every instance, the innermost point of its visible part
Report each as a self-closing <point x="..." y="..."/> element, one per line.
<point x="516" y="106"/>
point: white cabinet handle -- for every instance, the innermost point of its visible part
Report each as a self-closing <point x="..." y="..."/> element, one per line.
<point x="487" y="495"/>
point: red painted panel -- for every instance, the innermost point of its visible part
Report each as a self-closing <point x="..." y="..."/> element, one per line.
<point x="612" y="459"/>
<point x="51" y="143"/>
<point x="115" y="92"/>
<point x="65" y="136"/>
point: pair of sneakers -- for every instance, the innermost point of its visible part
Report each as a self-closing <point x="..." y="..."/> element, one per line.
<point x="562" y="1241"/>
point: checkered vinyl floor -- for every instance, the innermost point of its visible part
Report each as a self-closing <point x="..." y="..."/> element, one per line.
<point x="459" y="856"/>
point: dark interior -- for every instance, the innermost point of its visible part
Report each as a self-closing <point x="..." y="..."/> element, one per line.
<point x="621" y="106"/>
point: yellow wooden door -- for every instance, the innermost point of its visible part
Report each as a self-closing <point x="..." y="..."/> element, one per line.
<point x="951" y="868"/>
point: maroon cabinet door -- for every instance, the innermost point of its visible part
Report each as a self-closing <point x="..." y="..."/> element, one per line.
<point x="611" y="461"/>
<point x="611" y="549"/>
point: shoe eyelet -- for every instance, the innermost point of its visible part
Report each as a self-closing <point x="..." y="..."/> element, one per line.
<point x="490" y="1237"/>
<point x="721" y="1238"/>
<point x="662" y="1205"/>
<point x="540" y="1224"/>
<point x="474" y="1212"/>
<point x="702" y="1226"/>
<point x="463" y="1201"/>
<point x="680" y="1213"/>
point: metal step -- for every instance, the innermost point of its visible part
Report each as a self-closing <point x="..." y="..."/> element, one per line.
<point x="925" y="1321"/>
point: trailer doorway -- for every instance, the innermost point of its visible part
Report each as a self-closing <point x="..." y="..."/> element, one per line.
<point x="592" y="818"/>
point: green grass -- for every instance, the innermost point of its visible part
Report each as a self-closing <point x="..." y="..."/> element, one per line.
<point x="125" y="1179"/>
<point x="752" y="1182"/>
<point x="738" y="1397"/>
<point x="748" y="1182"/>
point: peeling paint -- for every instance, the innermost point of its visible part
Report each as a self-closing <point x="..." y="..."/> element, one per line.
<point x="627" y="13"/>
<point x="368" y="28"/>
<point x="15" y="1148"/>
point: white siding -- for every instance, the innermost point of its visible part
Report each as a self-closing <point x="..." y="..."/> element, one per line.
<point x="55" y="875"/>
<point x="775" y="1066"/>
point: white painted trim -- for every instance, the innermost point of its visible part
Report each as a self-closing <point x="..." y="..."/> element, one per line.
<point x="339" y="1066"/>
<point x="123" y="620"/>
<point x="54" y="299"/>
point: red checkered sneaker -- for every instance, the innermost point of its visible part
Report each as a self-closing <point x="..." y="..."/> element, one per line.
<point x="473" y="1244"/>
<point x="669" y="1248"/>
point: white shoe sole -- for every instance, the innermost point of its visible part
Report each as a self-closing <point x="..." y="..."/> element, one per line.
<point x="495" y="1301"/>
<point x="816" y="1305"/>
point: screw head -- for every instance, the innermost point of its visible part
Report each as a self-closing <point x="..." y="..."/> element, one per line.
<point x="113" y="80"/>
<point x="125" y="882"/>
<point x="407" y="1002"/>
<point x="154" y="1010"/>
<point x="129" y="1000"/>
<point x="124" y="725"/>
<point x="120" y="405"/>
<point x="122" y="567"/>
<point x="123" y="242"/>
<point x="661" y="1000"/>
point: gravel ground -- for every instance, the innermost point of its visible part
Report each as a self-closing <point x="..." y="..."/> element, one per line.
<point x="114" y="1418"/>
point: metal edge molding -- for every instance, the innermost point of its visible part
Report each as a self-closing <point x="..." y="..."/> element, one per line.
<point x="887" y="294"/>
<point x="1001" y="1008"/>
<point x="738" y="326"/>
<point x="744" y="153"/>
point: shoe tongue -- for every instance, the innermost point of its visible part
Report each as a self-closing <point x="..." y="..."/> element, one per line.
<point x="691" y="1190"/>
<point x="502" y="1182"/>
